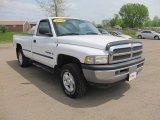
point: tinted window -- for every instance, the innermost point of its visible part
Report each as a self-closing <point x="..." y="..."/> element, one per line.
<point x="149" y="32"/>
<point x="113" y="33"/>
<point x="44" y="24"/>
<point x="144" y="32"/>
<point x="118" y="33"/>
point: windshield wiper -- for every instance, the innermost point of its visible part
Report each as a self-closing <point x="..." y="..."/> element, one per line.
<point x="65" y="34"/>
<point x="91" y="33"/>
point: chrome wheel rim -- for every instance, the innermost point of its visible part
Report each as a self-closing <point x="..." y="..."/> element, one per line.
<point x="68" y="82"/>
<point x="20" y="58"/>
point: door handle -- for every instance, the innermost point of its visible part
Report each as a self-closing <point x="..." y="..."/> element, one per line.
<point x="34" y="41"/>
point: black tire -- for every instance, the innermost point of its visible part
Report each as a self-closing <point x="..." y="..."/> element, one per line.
<point x="23" y="61"/>
<point x="80" y="83"/>
<point x="139" y="36"/>
<point x="156" y="38"/>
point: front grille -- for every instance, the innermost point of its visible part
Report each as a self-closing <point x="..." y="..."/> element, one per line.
<point x="122" y="57"/>
<point x="137" y="54"/>
<point x="137" y="48"/>
<point x="122" y="50"/>
<point x="125" y="52"/>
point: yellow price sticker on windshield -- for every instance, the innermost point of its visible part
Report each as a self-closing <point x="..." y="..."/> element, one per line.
<point x="59" y="20"/>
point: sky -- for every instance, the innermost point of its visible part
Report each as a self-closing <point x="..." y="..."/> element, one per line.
<point x="92" y="10"/>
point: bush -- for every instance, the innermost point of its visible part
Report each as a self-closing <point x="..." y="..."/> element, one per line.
<point x="3" y="29"/>
<point x="99" y="26"/>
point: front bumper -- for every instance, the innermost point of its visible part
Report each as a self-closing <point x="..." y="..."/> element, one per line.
<point x="112" y="73"/>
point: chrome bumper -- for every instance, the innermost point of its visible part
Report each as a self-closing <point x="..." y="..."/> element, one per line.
<point x="112" y="76"/>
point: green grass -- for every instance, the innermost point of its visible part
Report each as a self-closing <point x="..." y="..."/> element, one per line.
<point x="130" y="32"/>
<point x="8" y="36"/>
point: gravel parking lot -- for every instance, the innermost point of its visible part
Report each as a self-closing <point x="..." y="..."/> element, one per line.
<point x="33" y="94"/>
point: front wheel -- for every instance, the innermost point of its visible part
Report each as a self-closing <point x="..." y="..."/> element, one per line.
<point x="156" y="38"/>
<point x="73" y="82"/>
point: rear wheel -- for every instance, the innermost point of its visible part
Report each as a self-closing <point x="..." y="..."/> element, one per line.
<point x="139" y="36"/>
<point x="156" y="38"/>
<point x="73" y="82"/>
<point x="23" y="61"/>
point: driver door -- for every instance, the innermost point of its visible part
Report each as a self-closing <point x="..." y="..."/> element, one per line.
<point x="44" y="45"/>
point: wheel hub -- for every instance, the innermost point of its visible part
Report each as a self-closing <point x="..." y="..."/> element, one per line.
<point x="68" y="82"/>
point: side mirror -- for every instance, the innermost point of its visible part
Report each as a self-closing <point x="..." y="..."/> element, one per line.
<point x="45" y="31"/>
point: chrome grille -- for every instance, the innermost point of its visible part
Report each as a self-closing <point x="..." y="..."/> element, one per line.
<point x="122" y="50"/>
<point x="125" y="52"/>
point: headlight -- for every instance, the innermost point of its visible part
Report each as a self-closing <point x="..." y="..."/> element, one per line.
<point x="96" y="60"/>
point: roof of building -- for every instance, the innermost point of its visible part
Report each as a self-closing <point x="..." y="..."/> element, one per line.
<point x="12" y="22"/>
<point x="32" y="22"/>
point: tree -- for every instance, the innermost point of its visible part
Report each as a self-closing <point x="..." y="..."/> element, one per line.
<point x="148" y="23"/>
<point x="156" y="22"/>
<point x="3" y="28"/>
<point x="99" y="26"/>
<point x="116" y="21"/>
<point x="134" y="15"/>
<point x="106" y="24"/>
<point x="52" y="7"/>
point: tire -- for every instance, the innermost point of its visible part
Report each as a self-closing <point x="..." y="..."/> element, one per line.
<point x="139" y="36"/>
<point x="22" y="60"/>
<point x="71" y="75"/>
<point x="156" y="38"/>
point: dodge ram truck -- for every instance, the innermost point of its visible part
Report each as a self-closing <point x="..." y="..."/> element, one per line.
<point x="81" y="54"/>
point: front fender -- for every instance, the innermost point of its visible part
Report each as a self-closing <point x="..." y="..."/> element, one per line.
<point x="79" y="52"/>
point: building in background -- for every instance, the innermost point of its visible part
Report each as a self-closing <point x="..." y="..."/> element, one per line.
<point x="16" y="26"/>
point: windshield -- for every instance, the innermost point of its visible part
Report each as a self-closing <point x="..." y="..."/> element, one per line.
<point x="156" y="32"/>
<point x="65" y="27"/>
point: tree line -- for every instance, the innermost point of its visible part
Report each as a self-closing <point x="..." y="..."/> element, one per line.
<point x="132" y="16"/>
<point x="153" y="23"/>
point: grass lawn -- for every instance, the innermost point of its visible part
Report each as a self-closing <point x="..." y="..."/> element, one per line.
<point x="130" y="32"/>
<point x="8" y="36"/>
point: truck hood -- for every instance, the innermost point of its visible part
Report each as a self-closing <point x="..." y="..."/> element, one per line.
<point x="93" y="41"/>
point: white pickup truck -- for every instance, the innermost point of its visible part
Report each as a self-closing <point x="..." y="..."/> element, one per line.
<point x="81" y="53"/>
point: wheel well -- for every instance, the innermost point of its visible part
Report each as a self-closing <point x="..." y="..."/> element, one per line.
<point x="18" y="47"/>
<point x="66" y="59"/>
<point x="156" y="36"/>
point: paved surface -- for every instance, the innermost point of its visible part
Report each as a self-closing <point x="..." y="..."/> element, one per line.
<point x="33" y="94"/>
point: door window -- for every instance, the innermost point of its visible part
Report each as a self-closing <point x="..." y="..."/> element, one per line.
<point x="44" y="24"/>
